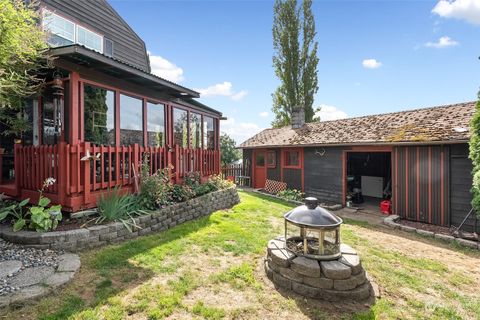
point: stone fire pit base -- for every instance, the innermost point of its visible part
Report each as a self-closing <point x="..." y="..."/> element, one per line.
<point x="335" y="280"/>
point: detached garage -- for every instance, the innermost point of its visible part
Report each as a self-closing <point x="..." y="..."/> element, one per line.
<point x="417" y="159"/>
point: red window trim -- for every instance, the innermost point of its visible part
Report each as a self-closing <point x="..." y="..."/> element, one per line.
<point x="269" y="165"/>
<point x="284" y="159"/>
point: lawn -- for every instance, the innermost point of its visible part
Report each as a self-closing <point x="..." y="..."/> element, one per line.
<point x="211" y="268"/>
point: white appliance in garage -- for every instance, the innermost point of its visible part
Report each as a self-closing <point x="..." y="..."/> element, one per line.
<point x="372" y="186"/>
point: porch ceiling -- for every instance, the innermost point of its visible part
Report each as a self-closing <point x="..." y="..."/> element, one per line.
<point x="116" y="68"/>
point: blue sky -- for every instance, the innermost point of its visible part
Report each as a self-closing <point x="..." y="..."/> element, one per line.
<point x="375" y="56"/>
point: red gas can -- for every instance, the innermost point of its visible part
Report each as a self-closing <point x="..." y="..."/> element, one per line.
<point x="385" y="207"/>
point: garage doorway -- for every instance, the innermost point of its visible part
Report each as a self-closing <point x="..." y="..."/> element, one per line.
<point x="368" y="179"/>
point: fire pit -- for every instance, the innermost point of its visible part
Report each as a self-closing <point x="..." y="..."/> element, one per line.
<point x="313" y="232"/>
<point x="311" y="261"/>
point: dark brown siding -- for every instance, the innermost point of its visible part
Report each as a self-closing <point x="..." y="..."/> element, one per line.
<point x="323" y="174"/>
<point x="274" y="173"/>
<point x="293" y="178"/>
<point x="100" y="17"/>
<point x="247" y="162"/>
<point x="422" y="184"/>
<point x="461" y="182"/>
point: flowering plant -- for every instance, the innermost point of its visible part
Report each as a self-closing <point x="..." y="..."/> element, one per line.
<point x="43" y="218"/>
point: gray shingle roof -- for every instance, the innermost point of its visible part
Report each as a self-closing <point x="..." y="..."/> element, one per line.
<point x="448" y="123"/>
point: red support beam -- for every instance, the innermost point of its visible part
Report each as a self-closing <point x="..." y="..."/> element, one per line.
<point x="76" y="108"/>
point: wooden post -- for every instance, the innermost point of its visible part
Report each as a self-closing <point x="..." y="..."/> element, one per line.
<point x="177" y="163"/>
<point x="17" y="150"/>
<point x="62" y="172"/>
<point x="86" y="176"/>
<point x="76" y="112"/>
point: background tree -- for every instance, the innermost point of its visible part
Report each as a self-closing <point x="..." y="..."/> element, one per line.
<point x="295" y="60"/>
<point x="22" y="53"/>
<point x="228" y="151"/>
<point x="475" y="156"/>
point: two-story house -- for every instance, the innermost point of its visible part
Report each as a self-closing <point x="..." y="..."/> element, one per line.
<point x="102" y="111"/>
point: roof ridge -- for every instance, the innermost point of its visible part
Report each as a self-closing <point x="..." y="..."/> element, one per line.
<point x="398" y="112"/>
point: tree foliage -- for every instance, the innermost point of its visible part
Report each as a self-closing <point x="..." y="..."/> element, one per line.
<point x="22" y="54"/>
<point x="295" y="60"/>
<point x="475" y="156"/>
<point x="228" y="151"/>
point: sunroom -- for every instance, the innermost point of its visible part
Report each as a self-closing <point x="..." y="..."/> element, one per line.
<point x="94" y="124"/>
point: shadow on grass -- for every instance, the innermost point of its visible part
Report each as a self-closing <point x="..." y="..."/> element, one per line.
<point x="106" y="272"/>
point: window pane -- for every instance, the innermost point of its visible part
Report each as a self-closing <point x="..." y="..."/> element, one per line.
<point x="99" y="116"/>
<point x="271" y="161"/>
<point x="131" y="120"/>
<point x="89" y="39"/>
<point x="180" y="128"/>
<point x="292" y="158"/>
<point x="260" y="160"/>
<point x="156" y="124"/>
<point x="50" y="118"/>
<point x="62" y="31"/>
<point x="208" y="133"/>
<point x="195" y="130"/>
<point x="108" y="49"/>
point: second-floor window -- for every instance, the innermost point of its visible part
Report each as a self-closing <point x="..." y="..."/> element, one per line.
<point x="65" y="32"/>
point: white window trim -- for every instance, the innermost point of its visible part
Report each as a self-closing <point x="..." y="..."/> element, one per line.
<point x="75" y="29"/>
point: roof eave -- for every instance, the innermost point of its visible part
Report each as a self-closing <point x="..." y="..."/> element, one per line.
<point x="76" y="49"/>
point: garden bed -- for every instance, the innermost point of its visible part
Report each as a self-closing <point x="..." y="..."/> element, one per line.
<point x="395" y="222"/>
<point x="99" y="235"/>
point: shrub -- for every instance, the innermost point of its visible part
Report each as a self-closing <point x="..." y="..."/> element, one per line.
<point x="155" y="189"/>
<point x="291" y="194"/>
<point x="182" y="193"/>
<point x="218" y="183"/>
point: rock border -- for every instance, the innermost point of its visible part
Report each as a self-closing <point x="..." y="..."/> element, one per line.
<point x="391" y="221"/>
<point x="68" y="265"/>
<point x="335" y="280"/>
<point x="333" y="207"/>
<point x="100" y="235"/>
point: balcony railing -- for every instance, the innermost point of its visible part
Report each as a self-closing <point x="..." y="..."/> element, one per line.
<point x="83" y="170"/>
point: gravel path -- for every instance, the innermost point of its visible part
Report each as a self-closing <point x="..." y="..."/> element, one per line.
<point x="15" y="259"/>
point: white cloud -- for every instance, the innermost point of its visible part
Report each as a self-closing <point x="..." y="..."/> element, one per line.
<point x="163" y="68"/>
<point x="263" y="114"/>
<point x="239" y="95"/>
<point x="328" y="113"/>
<point x="222" y="89"/>
<point x="443" y="42"/>
<point x="239" y="131"/>
<point x="371" y="64"/>
<point x="468" y="10"/>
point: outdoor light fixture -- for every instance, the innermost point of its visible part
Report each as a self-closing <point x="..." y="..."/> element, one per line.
<point x="312" y="231"/>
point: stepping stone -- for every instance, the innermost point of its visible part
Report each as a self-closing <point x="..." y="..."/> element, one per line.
<point x="335" y="270"/>
<point x="305" y="266"/>
<point x="281" y="257"/>
<point x="353" y="261"/>
<point x="59" y="278"/>
<point x="31" y="276"/>
<point x="68" y="262"/>
<point x="31" y="292"/>
<point x="9" y="267"/>
<point x="346" y="249"/>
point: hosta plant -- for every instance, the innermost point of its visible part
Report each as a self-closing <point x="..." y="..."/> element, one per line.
<point x="44" y="218"/>
<point x="16" y="212"/>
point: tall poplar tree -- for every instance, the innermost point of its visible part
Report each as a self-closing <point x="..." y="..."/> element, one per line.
<point x="295" y="60"/>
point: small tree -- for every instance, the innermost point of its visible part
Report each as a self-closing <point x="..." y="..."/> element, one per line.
<point x="475" y="156"/>
<point x="295" y="60"/>
<point x="228" y="150"/>
<point x="22" y="54"/>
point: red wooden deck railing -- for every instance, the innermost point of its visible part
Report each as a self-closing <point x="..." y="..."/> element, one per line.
<point x="80" y="179"/>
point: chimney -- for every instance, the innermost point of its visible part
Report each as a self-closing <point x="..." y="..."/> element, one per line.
<point x="298" y="117"/>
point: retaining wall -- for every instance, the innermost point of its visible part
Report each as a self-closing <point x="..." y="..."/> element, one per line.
<point x="99" y="235"/>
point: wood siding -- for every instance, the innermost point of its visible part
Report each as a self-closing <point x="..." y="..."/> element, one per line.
<point x="100" y="17"/>
<point x="460" y="184"/>
<point x="293" y="178"/>
<point x="422" y="184"/>
<point x="323" y="174"/>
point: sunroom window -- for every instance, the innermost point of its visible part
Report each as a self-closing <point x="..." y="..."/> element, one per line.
<point x="208" y="133"/>
<point x="195" y="130"/>
<point x="131" y="120"/>
<point x="156" y="124"/>
<point x="180" y="132"/>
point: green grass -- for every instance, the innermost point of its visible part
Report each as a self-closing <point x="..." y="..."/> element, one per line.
<point x="210" y="268"/>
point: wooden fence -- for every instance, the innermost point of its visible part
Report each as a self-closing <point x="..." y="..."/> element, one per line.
<point x="238" y="172"/>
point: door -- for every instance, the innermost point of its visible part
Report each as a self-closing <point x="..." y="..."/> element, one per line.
<point x="260" y="170"/>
